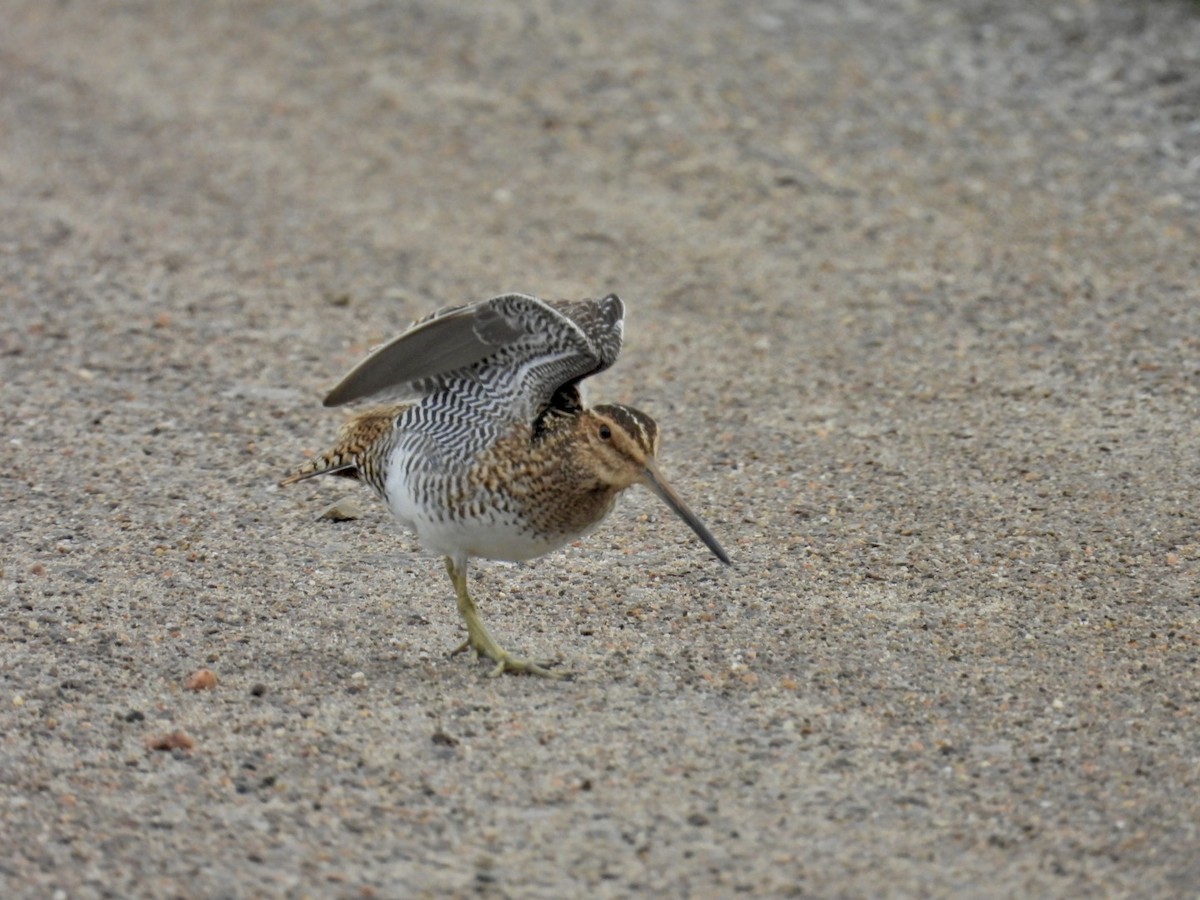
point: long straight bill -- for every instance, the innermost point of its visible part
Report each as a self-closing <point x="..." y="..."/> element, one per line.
<point x="654" y="480"/>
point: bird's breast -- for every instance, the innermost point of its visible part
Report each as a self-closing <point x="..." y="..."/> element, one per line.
<point x="515" y="500"/>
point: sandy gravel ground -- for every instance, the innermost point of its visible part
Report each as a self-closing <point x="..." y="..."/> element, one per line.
<point x="913" y="291"/>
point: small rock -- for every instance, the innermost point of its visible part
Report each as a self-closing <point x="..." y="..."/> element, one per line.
<point x="342" y="511"/>
<point x="172" y="740"/>
<point x="201" y="680"/>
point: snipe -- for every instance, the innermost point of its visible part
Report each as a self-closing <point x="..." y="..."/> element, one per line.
<point x="485" y="447"/>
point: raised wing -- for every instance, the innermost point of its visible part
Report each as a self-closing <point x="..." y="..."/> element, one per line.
<point x="521" y="347"/>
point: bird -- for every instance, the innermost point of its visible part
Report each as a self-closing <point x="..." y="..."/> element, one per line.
<point x="480" y="442"/>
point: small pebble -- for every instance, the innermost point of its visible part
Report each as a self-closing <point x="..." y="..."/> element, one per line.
<point x="342" y="511"/>
<point x="201" y="680"/>
<point x="172" y="740"/>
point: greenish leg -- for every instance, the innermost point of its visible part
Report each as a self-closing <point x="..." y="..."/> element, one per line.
<point x="480" y="641"/>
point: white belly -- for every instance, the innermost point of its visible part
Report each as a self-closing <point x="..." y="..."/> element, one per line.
<point x="491" y="534"/>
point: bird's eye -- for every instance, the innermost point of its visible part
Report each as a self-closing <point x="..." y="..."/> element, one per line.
<point x="605" y="433"/>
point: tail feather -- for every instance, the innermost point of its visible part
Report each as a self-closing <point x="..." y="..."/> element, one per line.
<point x="355" y="450"/>
<point x="330" y="463"/>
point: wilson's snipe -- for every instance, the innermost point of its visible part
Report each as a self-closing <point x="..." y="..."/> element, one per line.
<point x="492" y="452"/>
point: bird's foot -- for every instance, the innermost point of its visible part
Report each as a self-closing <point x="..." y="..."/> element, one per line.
<point x="505" y="661"/>
<point x="479" y="640"/>
<point x="519" y="666"/>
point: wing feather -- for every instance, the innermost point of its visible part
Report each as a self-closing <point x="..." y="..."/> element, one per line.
<point x="523" y="348"/>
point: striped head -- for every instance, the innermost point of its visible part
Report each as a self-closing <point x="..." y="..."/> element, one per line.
<point x="622" y="450"/>
<point x="621" y="441"/>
